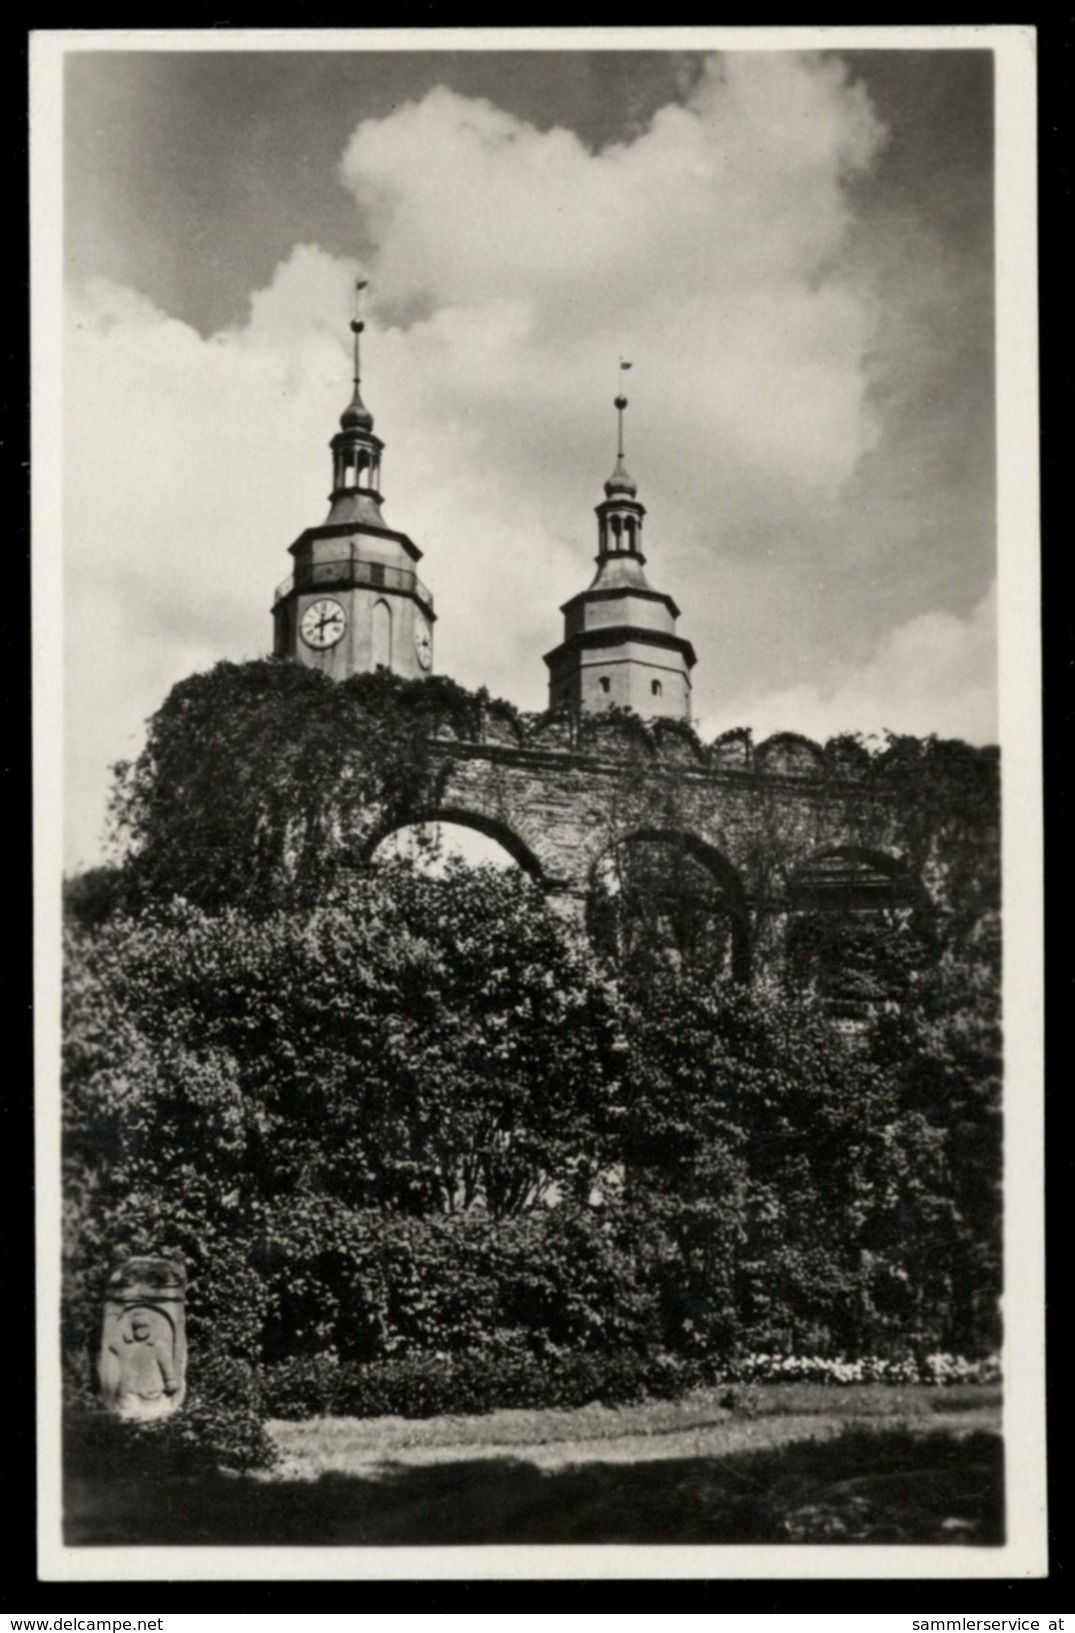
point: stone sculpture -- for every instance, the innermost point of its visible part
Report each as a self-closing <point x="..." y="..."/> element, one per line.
<point x="143" y="1342"/>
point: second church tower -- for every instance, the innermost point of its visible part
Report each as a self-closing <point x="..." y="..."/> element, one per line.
<point x="620" y="644"/>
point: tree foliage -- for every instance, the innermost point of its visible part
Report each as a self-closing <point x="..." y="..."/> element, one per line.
<point x="421" y="1119"/>
<point x="259" y="781"/>
<point x="793" y="1195"/>
<point x="390" y="1050"/>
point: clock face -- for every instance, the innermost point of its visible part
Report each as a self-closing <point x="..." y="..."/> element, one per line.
<point x="424" y="645"/>
<point x="323" y="624"/>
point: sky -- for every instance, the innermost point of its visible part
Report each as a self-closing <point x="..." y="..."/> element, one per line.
<point x="795" y="251"/>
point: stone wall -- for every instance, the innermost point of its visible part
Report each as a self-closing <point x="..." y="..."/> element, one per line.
<point x="782" y="826"/>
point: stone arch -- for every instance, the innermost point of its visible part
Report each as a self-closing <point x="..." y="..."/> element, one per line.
<point x="852" y="875"/>
<point x="728" y="902"/>
<point x="616" y="736"/>
<point x="732" y="750"/>
<point x="676" y="742"/>
<point x="848" y="758"/>
<point x="788" y="754"/>
<point x="500" y="726"/>
<point x="516" y="847"/>
<point x="554" y="730"/>
<point x="852" y="927"/>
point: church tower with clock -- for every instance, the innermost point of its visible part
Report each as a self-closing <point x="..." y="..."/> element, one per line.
<point x="354" y="601"/>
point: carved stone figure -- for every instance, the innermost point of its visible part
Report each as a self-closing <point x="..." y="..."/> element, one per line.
<point x="143" y="1342"/>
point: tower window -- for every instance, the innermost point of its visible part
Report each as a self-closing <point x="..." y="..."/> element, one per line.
<point x="606" y="684"/>
<point x="376" y="572"/>
<point x="381" y="636"/>
<point x="655" y="687"/>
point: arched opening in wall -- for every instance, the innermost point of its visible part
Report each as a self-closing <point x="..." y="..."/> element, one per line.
<point x="665" y="900"/>
<point x="857" y="929"/>
<point x="381" y="635"/>
<point x="440" y="839"/>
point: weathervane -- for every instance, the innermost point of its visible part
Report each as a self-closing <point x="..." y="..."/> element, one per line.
<point x="357" y="324"/>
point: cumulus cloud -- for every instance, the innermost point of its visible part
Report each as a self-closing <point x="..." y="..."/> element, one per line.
<point x="511" y="268"/>
<point x="935" y="673"/>
<point x="705" y="248"/>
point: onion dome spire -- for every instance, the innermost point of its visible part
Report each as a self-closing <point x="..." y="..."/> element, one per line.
<point x="356" y="416"/>
<point x="620" y="482"/>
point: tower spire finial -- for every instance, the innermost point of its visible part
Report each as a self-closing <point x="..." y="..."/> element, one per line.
<point x="619" y="482"/>
<point x="357" y="324"/>
<point x="356" y="414"/>
<point x="621" y="404"/>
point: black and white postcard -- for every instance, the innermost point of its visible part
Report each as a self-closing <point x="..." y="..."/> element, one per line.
<point x="537" y="696"/>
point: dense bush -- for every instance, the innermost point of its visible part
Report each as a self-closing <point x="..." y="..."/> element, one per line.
<point x="390" y="1049"/>
<point x="220" y="1423"/>
<point x="942" y="1053"/>
<point x="788" y="1192"/>
<point x="418" y="1386"/>
<point x="366" y="1285"/>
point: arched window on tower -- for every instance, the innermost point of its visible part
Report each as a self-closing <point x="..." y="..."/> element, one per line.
<point x="606" y="684"/>
<point x="655" y="687"/>
<point x="381" y="636"/>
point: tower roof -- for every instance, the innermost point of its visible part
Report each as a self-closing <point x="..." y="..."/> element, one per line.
<point x="620" y="483"/>
<point x="621" y="572"/>
<point x="356" y="416"/>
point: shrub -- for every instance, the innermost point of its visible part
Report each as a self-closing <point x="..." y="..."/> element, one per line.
<point x="366" y="1286"/>
<point x="422" y="1386"/>
<point x="220" y="1425"/>
<point x="303" y="1387"/>
<point x="222" y="1420"/>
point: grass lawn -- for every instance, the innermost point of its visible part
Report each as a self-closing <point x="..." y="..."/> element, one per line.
<point x="865" y="1463"/>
